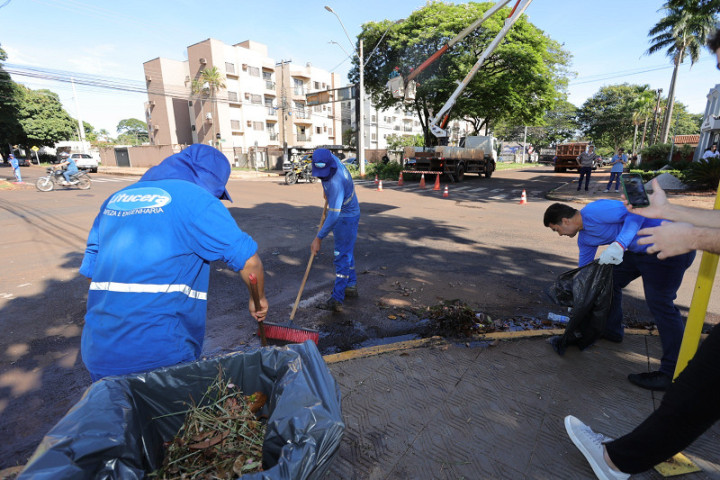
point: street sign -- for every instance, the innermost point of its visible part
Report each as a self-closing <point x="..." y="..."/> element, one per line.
<point x="329" y="96"/>
<point x="34" y="148"/>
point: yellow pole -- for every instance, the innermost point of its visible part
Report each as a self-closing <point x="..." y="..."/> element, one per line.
<point x="698" y="305"/>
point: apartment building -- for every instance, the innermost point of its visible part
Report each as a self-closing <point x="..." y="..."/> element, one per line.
<point x="257" y="103"/>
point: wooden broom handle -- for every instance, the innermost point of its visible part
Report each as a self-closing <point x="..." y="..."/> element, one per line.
<point x="309" y="265"/>
<point x="256" y="300"/>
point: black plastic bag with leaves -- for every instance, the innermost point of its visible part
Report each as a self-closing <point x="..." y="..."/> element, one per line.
<point x="117" y="430"/>
<point x="588" y="290"/>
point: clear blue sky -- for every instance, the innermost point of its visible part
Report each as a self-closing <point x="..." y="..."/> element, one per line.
<point x="607" y="39"/>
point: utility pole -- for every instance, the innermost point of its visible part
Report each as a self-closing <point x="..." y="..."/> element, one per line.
<point x="81" y="128"/>
<point x="524" y="144"/>
<point x="361" y="121"/>
<point x="655" y="116"/>
<point x="283" y="107"/>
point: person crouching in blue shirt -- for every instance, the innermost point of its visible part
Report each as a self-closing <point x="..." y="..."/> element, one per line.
<point x="607" y="222"/>
<point x="343" y="217"/>
<point x="148" y="259"/>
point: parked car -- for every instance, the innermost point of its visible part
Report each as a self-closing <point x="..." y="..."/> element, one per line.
<point x="85" y="161"/>
<point x="352" y="162"/>
<point x="24" y="162"/>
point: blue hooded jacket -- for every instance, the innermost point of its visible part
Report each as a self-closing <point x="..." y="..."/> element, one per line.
<point x="339" y="189"/>
<point x="148" y="255"/>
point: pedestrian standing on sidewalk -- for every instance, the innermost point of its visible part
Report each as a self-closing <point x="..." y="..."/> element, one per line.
<point x="16" y="168"/>
<point x="691" y="404"/>
<point x="607" y="222"/>
<point x="586" y="162"/>
<point x="618" y="165"/>
<point x="343" y="217"/>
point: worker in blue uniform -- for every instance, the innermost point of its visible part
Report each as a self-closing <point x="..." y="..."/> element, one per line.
<point x="607" y="222"/>
<point x="148" y="259"/>
<point x="343" y="217"/>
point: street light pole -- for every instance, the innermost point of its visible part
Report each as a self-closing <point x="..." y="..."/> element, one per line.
<point x="361" y="94"/>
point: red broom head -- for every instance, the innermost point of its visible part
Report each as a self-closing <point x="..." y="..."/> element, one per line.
<point x="290" y="334"/>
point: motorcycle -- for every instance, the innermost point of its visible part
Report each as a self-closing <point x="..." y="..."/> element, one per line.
<point x="55" y="178"/>
<point x="300" y="169"/>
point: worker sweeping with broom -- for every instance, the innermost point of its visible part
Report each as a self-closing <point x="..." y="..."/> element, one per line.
<point x="148" y="260"/>
<point x="343" y="217"/>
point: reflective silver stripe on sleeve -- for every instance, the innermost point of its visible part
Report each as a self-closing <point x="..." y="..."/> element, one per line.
<point x="147" y="288"/>
<point x="334" y="209"/>
<point x="341" y="276"/>
<point x="349" y="198"/>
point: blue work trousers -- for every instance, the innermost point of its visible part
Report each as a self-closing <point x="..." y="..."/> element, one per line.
<point x="345" y="233"/>
<point x="661" y="280"/>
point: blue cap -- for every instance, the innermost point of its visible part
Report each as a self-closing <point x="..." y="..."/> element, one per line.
<point x="322" y="163"/>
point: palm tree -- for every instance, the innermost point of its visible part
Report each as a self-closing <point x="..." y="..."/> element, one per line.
<point x="642" y="109"/>
<point x="682" y="33"/>
<point x="207" y="85"/>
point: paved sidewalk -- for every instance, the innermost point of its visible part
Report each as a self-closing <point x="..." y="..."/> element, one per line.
<point x="445" y="411"/>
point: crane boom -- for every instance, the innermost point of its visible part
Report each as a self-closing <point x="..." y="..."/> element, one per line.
<point x="405" y="88"/>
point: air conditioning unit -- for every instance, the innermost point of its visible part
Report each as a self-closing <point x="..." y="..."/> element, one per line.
<point x="244" y="66"/>
<point x="156" y="127"/>
<point x="148" y="78"/>
<point x="247" y="96"/>
<point x="203" y="60"/>
<point x="249" y="123"/>
<point x="151" y="103"/>
<point x="187" y="78"/>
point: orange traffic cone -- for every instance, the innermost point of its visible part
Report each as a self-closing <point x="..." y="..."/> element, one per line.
<point x="445" y="193"/>
<point x="523" y="198"/>
<point x="376" y="179"/>
<point x="379" y="189"/>
<point x="437" y="182"/>
<point x="400" y="180"/>
<point x="422" y="181"/>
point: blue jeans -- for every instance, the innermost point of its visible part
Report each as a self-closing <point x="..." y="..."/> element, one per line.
<point x="584" y="172"/>
<point x="614" y="176"/>
<point x="68" y="173"/>
<point x="661" y="280"/>
<point x="345" y="233"/>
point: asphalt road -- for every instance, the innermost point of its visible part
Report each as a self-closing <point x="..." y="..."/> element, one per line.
<point x="415" y="248"/>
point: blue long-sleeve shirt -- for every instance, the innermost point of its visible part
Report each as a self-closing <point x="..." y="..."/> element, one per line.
<point x="608" y="221"/>
<point x="148" y="255"/>
<point x="340" y="194"/>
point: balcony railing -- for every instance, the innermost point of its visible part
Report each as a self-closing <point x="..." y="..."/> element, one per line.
<point x="269" y="85"/>
<point x="272" y="111"/>
<point x="303" y="137"/>
<point x="301" y="114"/>
<point x="298" y="90"/>
<point x="273" y="137"/>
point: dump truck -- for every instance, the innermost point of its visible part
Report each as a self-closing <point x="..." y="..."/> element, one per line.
<point x="566" y="155"/>
<point x="476" y="154"/>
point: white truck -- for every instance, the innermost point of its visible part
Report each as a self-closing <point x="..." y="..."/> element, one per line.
<point x="476" y="154"/>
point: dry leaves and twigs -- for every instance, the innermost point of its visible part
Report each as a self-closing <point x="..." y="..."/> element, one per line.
<point x="455" y="318"/>
<point x="221" y="437"/>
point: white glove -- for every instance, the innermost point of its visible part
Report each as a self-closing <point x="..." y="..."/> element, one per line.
<point x="612" y="255"/>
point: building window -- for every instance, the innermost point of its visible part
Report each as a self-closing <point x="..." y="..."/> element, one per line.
<point x="233" y="96"/>
<point x="330" y="131"/>
<point x="298" y="87"/>
<point x="318" y="130"/>
<point x="254" y="71"/>
<point x="258" y="126"/>
<point x="373" y="137"/>
<point x="256" y="99"/>
<point x="318" y="108"/>
<point x="316" y="85"/>
<point x="373" y="118"/>
<point x="235" y="124"/>
<point x="267" y="76"/>
<point x="230" y="68"/>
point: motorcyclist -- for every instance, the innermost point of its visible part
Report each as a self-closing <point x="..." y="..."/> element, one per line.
<point x="71" y="169"/>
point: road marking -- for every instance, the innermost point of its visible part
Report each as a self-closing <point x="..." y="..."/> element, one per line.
<point x="477" y="189"/>
<point x="104" y="180"/>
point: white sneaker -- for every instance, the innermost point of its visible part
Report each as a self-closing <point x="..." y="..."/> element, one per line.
<point x="591" y="445"/>
<point x="607" y="190"/>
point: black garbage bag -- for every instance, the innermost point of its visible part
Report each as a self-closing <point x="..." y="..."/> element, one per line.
<point x="117" y="430"/>
<point x="588" y="290"/>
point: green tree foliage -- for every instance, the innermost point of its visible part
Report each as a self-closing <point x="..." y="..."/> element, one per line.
<point x="559" y="125"/>
<point x="206" y="86"/>
<point x="132" y="131"/>
<point x="519" y="82"/>
<point x="396" y="143"/>
<point x="682" y="33"/>
<point x="31" y="116"/>
<point x="607" y="117"/>
<point x="42" y="117"/>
